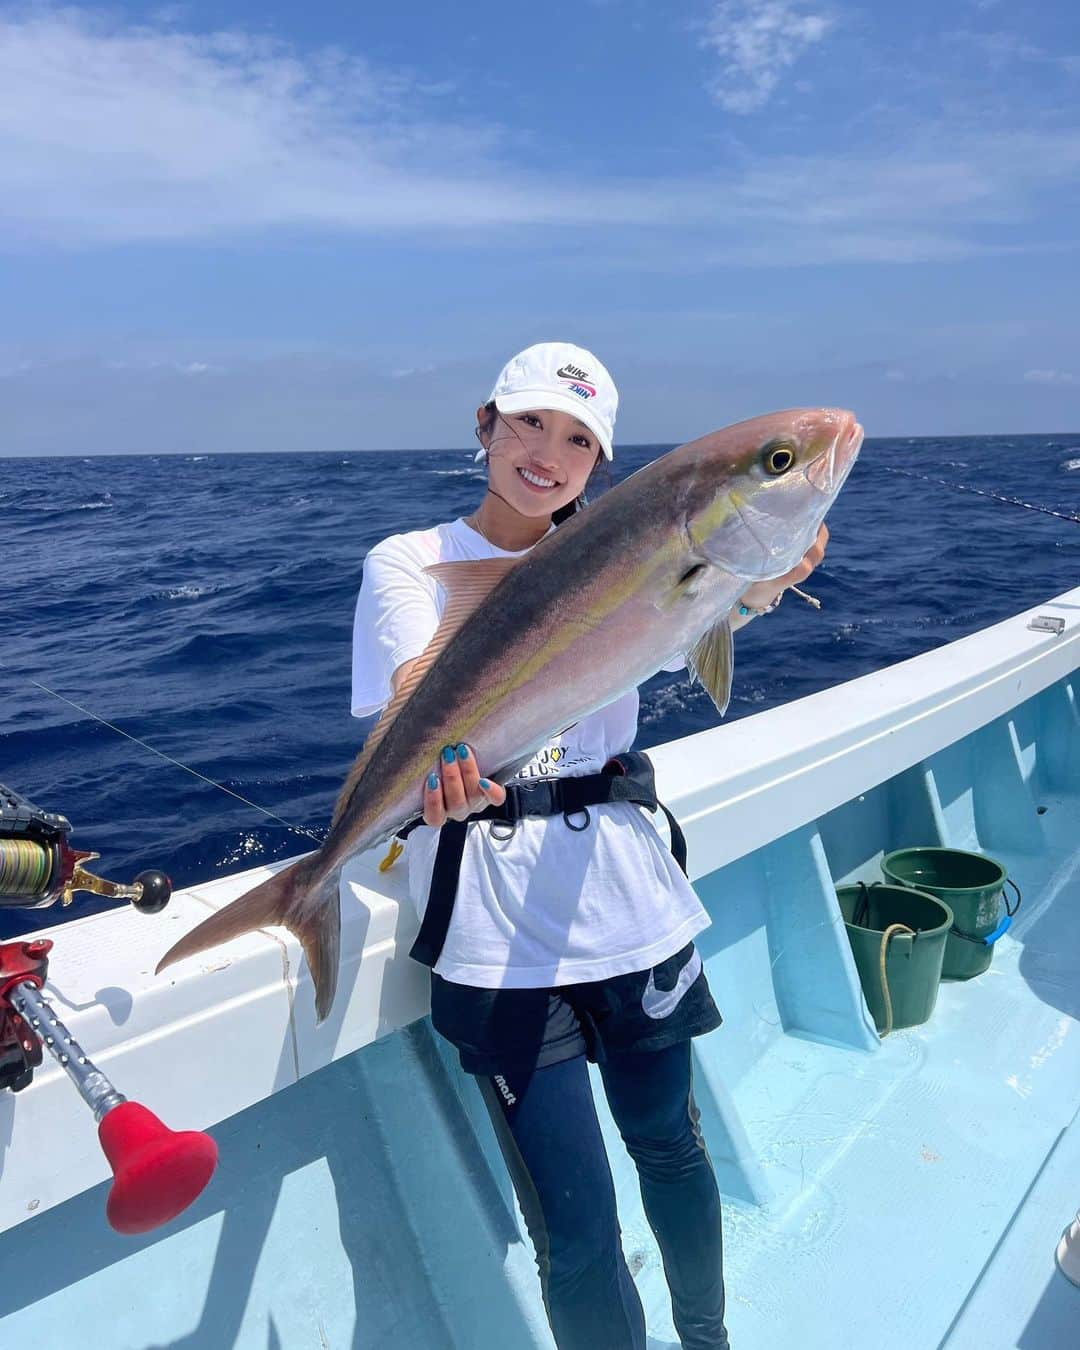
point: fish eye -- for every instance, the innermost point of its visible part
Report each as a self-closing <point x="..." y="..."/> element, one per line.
<point x="778" y="458"/>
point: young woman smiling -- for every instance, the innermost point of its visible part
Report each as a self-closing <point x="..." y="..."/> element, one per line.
<point x="566" y="942"/>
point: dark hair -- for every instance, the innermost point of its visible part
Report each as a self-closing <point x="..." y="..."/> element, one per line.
<point x="600" y="474"/>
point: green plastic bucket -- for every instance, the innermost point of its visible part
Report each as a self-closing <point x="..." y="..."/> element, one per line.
<point x="971" y="885"/>
<point x="912" y="960"/>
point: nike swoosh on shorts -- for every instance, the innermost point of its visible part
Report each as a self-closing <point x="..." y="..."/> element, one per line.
<point x="659" y="1003"/>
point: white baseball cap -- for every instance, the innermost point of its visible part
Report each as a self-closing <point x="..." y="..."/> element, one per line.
<point x="560" y="376"/>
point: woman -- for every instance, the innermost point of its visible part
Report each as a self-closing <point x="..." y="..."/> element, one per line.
<point x="567" y="942"/>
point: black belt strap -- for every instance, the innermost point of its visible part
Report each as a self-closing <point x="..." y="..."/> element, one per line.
<point x="627" y="778"/>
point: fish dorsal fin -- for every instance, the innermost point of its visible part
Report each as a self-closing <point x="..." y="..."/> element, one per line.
<point x="466" y="584"/>
<point x="712" y="662"/>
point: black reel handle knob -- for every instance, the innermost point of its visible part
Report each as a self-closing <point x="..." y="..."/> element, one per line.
<point x="156" y="889"/>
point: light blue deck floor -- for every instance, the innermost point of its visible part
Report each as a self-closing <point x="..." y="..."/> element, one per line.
<point x="935" y="1176"/>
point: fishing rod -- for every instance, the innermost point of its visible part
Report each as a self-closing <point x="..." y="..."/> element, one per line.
<point x="984" y="492"/>
<point x="157" y="1172"/>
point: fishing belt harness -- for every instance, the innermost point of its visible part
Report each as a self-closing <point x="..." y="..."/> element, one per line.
<point x="627" y="777"/>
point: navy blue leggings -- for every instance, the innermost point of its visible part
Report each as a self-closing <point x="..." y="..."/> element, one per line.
<point x="549" y="1134"/>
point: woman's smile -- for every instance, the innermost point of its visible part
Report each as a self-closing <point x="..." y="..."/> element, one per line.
<point x="537" y="481"/>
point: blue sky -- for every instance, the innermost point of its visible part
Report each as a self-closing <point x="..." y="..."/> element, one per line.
<point x="249" y="227"/>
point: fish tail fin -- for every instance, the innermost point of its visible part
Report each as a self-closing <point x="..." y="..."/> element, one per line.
<point x="304" y="902"/>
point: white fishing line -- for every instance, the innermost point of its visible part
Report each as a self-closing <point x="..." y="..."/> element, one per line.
<point x="87" y="712"/>
<point x="984" y="492"/>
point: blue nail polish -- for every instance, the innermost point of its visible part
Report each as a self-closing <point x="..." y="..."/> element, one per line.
<point x="433" y="781"/>
<point x="463" y="751"/>
<point x="485" y="783"/>
<point x="448" y="754"/>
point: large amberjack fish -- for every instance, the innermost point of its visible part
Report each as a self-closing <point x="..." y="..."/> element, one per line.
<point x="529" y="645"/>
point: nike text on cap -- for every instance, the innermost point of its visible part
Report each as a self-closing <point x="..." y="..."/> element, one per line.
<point x="562" y="377"/>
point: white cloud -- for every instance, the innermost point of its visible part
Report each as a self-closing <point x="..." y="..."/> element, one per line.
<point x="120" y="134"/>
<point x="757" y="41"/>
<point x="1058" y="377"/>
<point x="1003" y="48"/>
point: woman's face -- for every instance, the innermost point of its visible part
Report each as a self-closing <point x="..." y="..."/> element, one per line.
<point x="538" y="461"/>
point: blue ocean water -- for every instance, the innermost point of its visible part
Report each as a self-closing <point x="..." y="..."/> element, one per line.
<point x="203" y="604"/>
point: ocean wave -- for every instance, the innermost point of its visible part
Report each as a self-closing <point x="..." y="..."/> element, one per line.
<point x="209" y="653"/>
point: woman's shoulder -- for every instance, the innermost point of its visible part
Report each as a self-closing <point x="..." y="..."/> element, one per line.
<point x="420" y="547"/>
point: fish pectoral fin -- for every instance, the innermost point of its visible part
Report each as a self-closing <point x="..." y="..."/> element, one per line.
<point x="712" y="662"/>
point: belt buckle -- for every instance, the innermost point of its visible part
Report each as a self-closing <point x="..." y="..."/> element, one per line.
<point x="535" y="799"/>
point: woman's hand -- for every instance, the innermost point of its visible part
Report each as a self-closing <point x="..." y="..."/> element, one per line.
<point x="457" y="790"/>
<point x="762" y="593"/>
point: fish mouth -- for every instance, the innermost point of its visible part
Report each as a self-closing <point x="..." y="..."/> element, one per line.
<point x="829" y="470"/>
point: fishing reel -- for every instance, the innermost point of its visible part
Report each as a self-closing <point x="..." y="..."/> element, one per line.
<point x="38" y="866"/>
<point x="157" y="1172"/>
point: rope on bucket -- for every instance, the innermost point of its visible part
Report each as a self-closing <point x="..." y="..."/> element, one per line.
<point x="886" y="938"/>
<point x="861" y="918"/>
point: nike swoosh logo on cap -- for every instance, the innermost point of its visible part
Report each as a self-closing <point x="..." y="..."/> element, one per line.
<point x="658" y="1003"/>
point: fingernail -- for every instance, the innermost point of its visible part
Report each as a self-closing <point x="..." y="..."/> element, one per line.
<point x="485" y="783"/>
<point x="463" y="751"/>
<point x="433" y="781"/>
<point x="448" y="754"/>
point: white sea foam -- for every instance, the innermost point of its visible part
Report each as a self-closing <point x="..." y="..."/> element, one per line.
<point x="188" y="591"/>
<point x="1070" y="464"/>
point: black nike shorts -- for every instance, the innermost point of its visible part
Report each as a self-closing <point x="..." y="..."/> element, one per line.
<point x="495" y="1030"/>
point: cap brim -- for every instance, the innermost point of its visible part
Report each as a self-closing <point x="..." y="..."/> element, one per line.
<point x="538" y="400"/>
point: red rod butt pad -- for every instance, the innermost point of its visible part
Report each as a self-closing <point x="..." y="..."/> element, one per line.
<point x="158" y="1171"/>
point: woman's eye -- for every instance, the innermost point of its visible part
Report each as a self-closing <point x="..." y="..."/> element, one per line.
<point x="582" y="442"/>
<point x="530" y="420"/>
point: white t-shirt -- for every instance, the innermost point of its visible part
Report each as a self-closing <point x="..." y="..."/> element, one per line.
<point x="549" y="905"/>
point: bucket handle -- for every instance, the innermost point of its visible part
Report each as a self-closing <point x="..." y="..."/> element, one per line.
<point x="1003" y="926"/>
<point x="861" y="916"/>
<point x="862" y="910"/>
